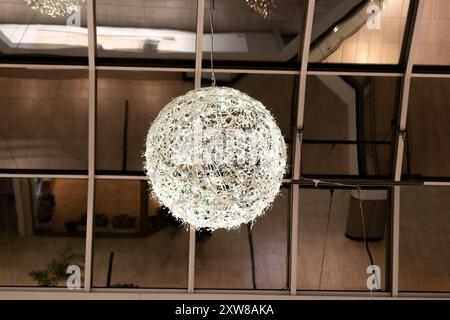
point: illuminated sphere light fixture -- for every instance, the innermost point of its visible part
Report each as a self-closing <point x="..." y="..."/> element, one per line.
<point x="215" y="158"/>
<point x="263" y="7"/>
<point x="55" y="8"/>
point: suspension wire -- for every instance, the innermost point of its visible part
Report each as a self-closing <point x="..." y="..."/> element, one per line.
<point x="326" y="236"/>
<point x="366" y="244"/>
<point x="24" y="32"/>
<point x="211" y="24"/>
<point x="252" y="252"/>
<point x="361" y="209"/>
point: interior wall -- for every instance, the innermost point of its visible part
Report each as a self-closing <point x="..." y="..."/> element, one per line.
<point x="43" y="119"/>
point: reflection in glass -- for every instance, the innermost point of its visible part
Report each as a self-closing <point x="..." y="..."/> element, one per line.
<point x="137" y="242"/>
<point x="242" y="33"/>
<point x="148" y="29"/>
<point x="127" y="105"/>
<point x="331" y="250"/>
<point x="349" y="125"/>
<point x="434" y="40"/>
<point x="247" y="258"/>
<point x="427" y="147"/>
<point x="25" y="31"/>
<point x="424" y="239"/>
<point x="43" y="119"/>
<point x="351" y="31"/>
<point x="39" y="234"/>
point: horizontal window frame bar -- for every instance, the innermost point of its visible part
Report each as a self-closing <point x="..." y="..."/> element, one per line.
<point x="42" y="176"/>
<point x="252" y="71"/>
<point x="346" y="142"/>
<point x="43" y="172"/>
<point x="431" y="69"/>
<point x="251" y="65"/>
<point x="143" y="69"/>
<point x="356" y="74"/>
<point x="43" y="66"/>
<point x="40" y="293"/>
<point x="360" y="68"/>
<point x="45" y="60"/>
<point x="146" y="63"/>
<point x="36" y="65"/>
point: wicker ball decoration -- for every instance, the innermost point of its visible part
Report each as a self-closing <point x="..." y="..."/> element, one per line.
<point x="215" y="158"/>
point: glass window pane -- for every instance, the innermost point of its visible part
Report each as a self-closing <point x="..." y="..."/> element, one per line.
<point x="25" y="31"/>
<point x="349" y="125"/>
<point x="137" y="97"/>
<point x="427" y="147"/>
<point x="147" y="29"/>
<point x="262" y="88"/>
<point x="424" y="239"/>
<point x="255" y="31"/>
<point x="434" y="40"/>
<point x="39" y="230"/>
<point x="224" y="258"/>
<point x="137" y="243"/>
<point x="350" y="31"/>
<point x="43" y="119"/>
<point x="331" y="250"/>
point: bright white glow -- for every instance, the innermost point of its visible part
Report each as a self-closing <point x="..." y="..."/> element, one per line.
<point x="135" y="40"/>
<point x="263" y="7"/>
<point x="215" y="157"/>
<point x="55" y="8"/>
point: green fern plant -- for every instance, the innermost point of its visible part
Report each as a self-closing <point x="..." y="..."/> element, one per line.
<point x="56" y="269"/>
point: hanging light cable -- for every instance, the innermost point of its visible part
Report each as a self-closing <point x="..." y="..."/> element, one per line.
<point x="211" y="24"/>
<point x="215" y="156"/>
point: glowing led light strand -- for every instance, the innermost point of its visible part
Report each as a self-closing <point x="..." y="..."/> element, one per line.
<point x="215" y="158"/>
<point x="55" y="8"/>
<point x="263" y="7"/>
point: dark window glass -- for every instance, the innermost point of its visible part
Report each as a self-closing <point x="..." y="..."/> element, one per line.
<point x="137" y="243"/>
<point x="149" y="29"/>
<point x="363" y="32"/>
<point x="43" y="119"/>
<point x="331" y="250"/>
<point x="245" y="31"/>
<point x="349" y="125"/>
<point x="127" y="105"/>
<point x="427" y="147"/>
<point x="424" y="239"/>
<point x="40" y="231"/>
<point x="228" y="260"/>
<point x="26" y="31"/>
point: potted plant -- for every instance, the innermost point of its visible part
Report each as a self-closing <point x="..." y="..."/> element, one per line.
<point x="71" y="226"/>
<point x="56" y="270"/>
<point x="124" y="223"/>
<point x="101" y="222"/>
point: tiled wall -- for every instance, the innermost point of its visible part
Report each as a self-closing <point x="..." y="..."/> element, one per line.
<point x="43" y="120"/>
<point x="424" y="239"/>
<point x="434" y="41"/>
<point x="428" y="130"/>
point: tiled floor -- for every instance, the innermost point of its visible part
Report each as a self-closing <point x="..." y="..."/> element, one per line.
<point x="424" y="239"/>
<point x="224" y="261"/>
<point x="21" y="255"/>
<point x="345" y="261"/>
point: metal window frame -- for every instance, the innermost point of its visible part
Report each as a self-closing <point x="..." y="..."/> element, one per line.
<point x="305" y="69"/>
<point x="398" y="164"/>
